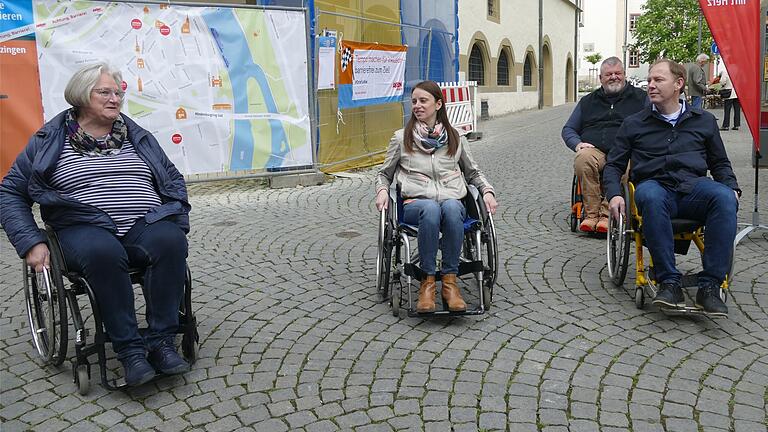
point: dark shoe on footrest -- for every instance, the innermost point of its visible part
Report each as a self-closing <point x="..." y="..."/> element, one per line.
<point x="670" y="295"/>
<point x="137" y="370"/>
<point x="708" y="299"/>
<point x="165" y="359"/>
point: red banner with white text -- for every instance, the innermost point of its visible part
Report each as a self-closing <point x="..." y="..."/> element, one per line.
<point x="735" y="25"/>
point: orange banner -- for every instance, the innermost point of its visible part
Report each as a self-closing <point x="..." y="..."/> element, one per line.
<point x="21" y="106"/>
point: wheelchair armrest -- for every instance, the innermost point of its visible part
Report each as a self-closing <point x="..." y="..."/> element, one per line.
<point x="473" y="190"/>
<point x="54" y="247"/>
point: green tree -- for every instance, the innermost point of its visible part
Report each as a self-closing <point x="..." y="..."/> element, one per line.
<point x="670" y="28"/>
<point x="593" y="58"/>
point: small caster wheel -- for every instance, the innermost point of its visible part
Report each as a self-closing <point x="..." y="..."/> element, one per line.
<point x="83" y="379"/>
<point x="396" y="302"/>
<point x="639" y="298"/>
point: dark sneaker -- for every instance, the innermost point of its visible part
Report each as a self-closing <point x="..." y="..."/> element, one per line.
<point x="165" y="359"/>
<point x="708" y="298"/>
<point x="735" y="128"/>
<point x="670" y="295"/>
<point x="137" y="370"/>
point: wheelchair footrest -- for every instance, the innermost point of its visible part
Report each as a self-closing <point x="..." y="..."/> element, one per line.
<point x="414" y="314"/>
<point x="465" y="267"/>
<point x="689" y="310"/>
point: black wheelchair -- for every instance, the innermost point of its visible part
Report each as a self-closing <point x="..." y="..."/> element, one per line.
<point x="622" y="231"/>
<point x="47" y="297"/>
<point x="397" y="263"/>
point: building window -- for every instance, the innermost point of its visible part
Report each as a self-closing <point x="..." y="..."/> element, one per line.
<point x="589" y="47"/>
<point x="528" y="70"/>
<point x="502" y="69"/>
<point x="493" y="10"/>
<point x="634" y="58"/>
<point x="476" y="65"/>
<point x="633" y="22"/>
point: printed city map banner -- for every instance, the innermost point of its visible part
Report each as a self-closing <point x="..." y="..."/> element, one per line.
<point x="222" y="89"/>
<point x="735" y="25"/>
<point x="370" y="73"/>
<point x="21" y="109"/>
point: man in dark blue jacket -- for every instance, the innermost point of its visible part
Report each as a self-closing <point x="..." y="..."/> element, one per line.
<point x="590" y="132"/>
<point x="671" y="146"/>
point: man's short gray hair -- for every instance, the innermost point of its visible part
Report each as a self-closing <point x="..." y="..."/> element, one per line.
<point x="612" y="61"/>
<point x="78" y="90"/>
<point x="702" y="57"/>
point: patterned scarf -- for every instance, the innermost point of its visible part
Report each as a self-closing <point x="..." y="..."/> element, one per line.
<point x="429" y="139"/>
<point x="85" y="144"/>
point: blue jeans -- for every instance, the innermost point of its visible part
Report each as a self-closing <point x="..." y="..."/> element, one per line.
<point x="433" y="218"/>
<point x="103" y="259"/>
<point x="710" y="202"/>
<point x="696" y="101"/>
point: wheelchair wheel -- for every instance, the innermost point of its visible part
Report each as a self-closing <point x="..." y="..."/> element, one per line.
<point x="190" y="338"/>
<point x="384" y="255"/>
<point x="490" y="260"/>
<point x="575" y="204"/>
<point x="617" y="249"/>
<point x="488" y="248"/>
<point x="47" y="312"/>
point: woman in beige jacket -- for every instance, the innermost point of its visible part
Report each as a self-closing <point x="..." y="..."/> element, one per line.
<point x="431" y="163"/>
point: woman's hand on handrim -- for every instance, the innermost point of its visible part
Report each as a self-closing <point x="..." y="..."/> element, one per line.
<point x="38" y="257"/>
<point x="382" y="200"/>
<point x="490" y="202"/>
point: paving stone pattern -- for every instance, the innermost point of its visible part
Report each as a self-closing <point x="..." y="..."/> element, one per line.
<point x="293" y="338"/>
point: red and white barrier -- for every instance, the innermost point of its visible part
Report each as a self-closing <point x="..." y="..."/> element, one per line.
<point x="460" y="99"/>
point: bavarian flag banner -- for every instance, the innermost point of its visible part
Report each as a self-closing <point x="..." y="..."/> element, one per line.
<point x="370" y="73"/>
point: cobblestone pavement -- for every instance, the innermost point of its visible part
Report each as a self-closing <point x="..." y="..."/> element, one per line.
<point x="293" y="338"/>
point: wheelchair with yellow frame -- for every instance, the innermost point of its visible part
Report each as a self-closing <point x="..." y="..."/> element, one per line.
<point x="626" y="229"/>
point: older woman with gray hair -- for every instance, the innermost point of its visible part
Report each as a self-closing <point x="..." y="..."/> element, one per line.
<point x="114" y="199"/>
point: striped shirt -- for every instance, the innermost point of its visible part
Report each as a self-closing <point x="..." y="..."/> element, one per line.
<point x="119" y="185"/>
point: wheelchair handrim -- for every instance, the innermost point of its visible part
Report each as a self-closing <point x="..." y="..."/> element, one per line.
<point x="42" y="337"/>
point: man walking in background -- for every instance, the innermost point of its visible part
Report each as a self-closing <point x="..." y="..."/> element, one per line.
<point x="697" y="81"/>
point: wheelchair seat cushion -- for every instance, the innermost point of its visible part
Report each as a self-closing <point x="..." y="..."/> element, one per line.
<point x="680" y="225"/>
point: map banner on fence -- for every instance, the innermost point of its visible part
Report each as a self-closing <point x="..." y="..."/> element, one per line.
<point x="370" y="73"/>
<point x="222" y="89"/>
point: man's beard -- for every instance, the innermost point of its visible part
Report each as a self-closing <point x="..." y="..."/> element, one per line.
<point x="613" y="88"/>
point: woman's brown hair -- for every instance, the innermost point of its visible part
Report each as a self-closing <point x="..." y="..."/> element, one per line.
<point x="432" y="88"/>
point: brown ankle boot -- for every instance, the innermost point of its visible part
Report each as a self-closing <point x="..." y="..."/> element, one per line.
<point x="452" y="294"/>
<point x="427" y="293"/>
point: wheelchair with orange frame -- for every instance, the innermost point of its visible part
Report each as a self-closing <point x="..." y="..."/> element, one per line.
<point x="397" y="261"/>
<point x="49" y="299"/>
<point x="625" y="230"/>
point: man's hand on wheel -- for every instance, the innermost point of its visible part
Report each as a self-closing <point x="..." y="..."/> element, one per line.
<point x="616" y="206"/>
